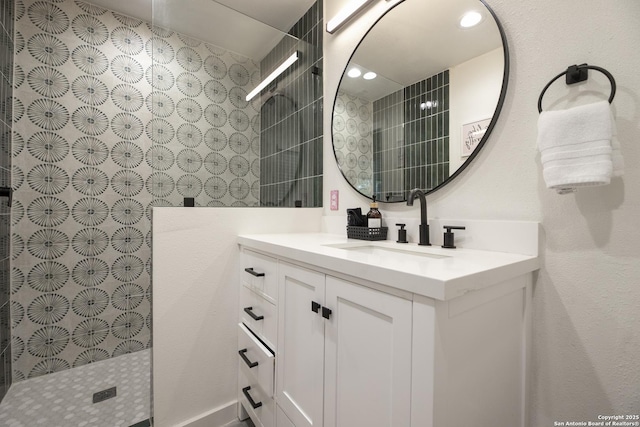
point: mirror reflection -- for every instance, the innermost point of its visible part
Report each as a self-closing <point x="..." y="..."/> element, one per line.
<point x="224" y="143"/>
<point x="418" y="96"/>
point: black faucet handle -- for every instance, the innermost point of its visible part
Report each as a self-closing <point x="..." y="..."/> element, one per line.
<point x="449" y="242"/>
<point x="402" y="234"/>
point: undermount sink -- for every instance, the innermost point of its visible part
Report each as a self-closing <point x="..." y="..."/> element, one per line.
<point x="384" y="249"/>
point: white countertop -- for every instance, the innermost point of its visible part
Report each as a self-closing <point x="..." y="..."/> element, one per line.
<point x="458" y="272"/>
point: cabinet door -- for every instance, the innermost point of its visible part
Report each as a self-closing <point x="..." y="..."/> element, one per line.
<point x="300" y="354"/>
<point x="367" y="357"/>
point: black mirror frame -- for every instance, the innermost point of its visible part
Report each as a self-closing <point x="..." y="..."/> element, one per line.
<point x="485" y="137"/>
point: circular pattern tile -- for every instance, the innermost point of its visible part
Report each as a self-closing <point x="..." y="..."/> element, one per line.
<point x="48" y="147"/>
<point x="90" y="121"/>
<point x="48" y="114"/>
<point x="48" y="50"/>
<point x="48" y="17"/>
<point x="90" y="302"/>
<point x="127" y="41"/>
<point x="90" y="151"/>
<point x="90" y="272"/>
<point x="127" y="98"/>
<point x="48" y="276"/>
<point x="89" y="29"/>
<point x="48" y="82"/>
<point x="47" y="309"/>
<point x="126" y="154"/>
<point x="48" y="211"/>
<point x="189" y="185"/>
<point x="90" y="90"/>
<point x="160" y="158"/>
<point x="127" y="69"/>
<point x="90" y="60"/>
<point x="90" y="211"/>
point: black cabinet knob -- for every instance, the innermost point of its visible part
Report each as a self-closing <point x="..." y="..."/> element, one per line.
<point x="315" y="307"/>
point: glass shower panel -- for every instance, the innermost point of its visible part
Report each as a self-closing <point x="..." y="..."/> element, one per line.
<point x="81" y="240"/>
<point x="6" y="122"/>
<point x="210" y="142"/>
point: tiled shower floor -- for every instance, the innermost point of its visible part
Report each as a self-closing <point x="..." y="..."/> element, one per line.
<point x="64" y="399"/>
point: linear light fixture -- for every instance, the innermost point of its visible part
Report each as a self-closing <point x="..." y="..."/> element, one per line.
<point x="271" y="77"/>
<point x="353" y="7"/>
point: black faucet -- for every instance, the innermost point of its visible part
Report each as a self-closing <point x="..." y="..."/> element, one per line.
<point x="424" y="227"/>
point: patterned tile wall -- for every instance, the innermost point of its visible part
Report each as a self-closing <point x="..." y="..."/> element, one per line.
<point x="205" y="134"/>
<point x="353" y="140"/>
<point x="291" y="120"/>
<point x="111" y="117"/>
<point x="411" y="138"/>
<point x="6" y="123"/>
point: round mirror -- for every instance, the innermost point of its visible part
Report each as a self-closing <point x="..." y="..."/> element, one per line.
<point x="419" y="96"/>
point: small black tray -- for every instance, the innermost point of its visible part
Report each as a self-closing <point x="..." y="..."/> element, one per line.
<point x="366" y="233"/>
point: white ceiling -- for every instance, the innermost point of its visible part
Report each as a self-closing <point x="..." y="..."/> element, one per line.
<point x="417" y="39"/>
<point x="248" y="27"/>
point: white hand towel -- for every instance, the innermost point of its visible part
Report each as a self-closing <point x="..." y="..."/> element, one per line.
<point x="575" y="146"/>
<point x="616" y="154"/>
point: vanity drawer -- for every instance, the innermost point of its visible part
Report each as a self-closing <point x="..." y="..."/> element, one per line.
<point x="257" y="362"/>
<point x="259" y="405"/>
<point x="259" y="315"/>
<point x="259" y="273"/>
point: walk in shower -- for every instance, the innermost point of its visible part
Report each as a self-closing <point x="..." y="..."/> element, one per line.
<point x="106" y="114"/>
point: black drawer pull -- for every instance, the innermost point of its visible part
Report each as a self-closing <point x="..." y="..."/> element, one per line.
<point x="253" y="273"/>
<point x="249" y="311"/>
<point x="255" y="405"/>
<point x="326" y="312"/>
<point x="244" y="357"/>
<point x="315" y="307"/>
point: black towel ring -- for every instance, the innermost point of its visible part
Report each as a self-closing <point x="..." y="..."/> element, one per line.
<point x="579" y="73"/>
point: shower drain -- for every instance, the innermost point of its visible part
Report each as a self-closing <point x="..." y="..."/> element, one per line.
<point x="104" y="395"/>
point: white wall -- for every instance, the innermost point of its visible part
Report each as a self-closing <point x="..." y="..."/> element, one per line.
<point x="474" y="89"/>
<point x="587" y="293"/>
<point x="195" y="306"/>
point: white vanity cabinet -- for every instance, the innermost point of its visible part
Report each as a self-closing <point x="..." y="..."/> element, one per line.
<point x="443" y="342"/>
<point x="344" y="352"/>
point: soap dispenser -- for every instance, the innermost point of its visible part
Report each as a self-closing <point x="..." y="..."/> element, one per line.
<point x="374" y="217"/>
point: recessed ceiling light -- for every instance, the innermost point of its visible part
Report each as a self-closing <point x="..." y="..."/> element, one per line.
<point x="354" y="72"/>
<point x="470" y="19"/>
<point x="369" y="75"/>
<point x="428" y="105"/>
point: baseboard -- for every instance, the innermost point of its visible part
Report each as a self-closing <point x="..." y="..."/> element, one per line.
<point x="214" y="418"/>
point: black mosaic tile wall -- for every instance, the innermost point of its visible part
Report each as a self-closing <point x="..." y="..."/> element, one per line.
<point x="6" y="120"/>
<point x="411" y="138"/>
<point x="291" y="119"/>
